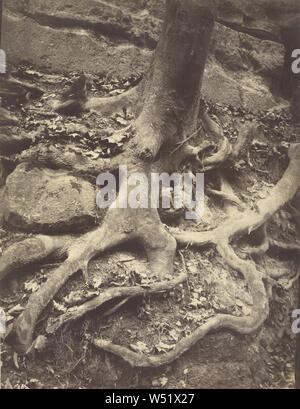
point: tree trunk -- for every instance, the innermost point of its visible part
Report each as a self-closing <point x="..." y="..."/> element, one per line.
<point x="171" y="91"/>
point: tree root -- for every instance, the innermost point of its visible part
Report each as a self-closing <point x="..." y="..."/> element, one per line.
<point x="111" y="294"/>
<point x="11" y="87"/>
<point x="221" y="237"/>
<point x="219" y="157"/>
<point x="243" y="325"/>
<point x="30" y="251"/>
<point x="231" y="198"/>
<point x="118" y="227"/>
<point x="288" y="248"/>
<point x="107" y="105"/>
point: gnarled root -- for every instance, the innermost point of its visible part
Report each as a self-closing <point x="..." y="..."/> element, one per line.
<point x="107" y="105"/>
<point x="243" y="325"/>
<point x="112" y="294"/>
<point x="221" y="237"/>
<point x="31" y="251"/>
<point x="80" y="251"/>
<point x="117" y="228"/>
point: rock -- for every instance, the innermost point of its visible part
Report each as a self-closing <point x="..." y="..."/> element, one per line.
<point x="243" y="53"/>
<point x="117" y="38"/>
<point x="65" y="50"/>
<point x="47" y="201"/>
<point x="97" y="16"/>
<point x="248" y="91"/>
<point x="242" y="70"/>
<point x="262" y="18"/>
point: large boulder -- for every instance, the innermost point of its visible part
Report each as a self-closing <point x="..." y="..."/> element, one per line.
<point x="118" y="38"/>
<point x="68" y="49"/>
<point x="48" y="201"/>
<point x="264" y="18"/>
<point x="99" y="16"/>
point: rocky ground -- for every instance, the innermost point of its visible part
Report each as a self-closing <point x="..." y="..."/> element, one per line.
<point x="241" y="86"/>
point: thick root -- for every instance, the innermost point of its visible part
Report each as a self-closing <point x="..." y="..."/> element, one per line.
<point x="282" y="193"/>
<point x="249" y="221"/>
<point x="111" y="294"/>
<point x="69" y="159"/>
<point x="79" y="253"/>
<point x="117" y="228"/>
<point x="242" y="325"/>
<point x="119" y="103"/>
<point x="31" y="251"/>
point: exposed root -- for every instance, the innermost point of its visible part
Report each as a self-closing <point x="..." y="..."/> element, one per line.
<point x="79" y="251"/>
<point x="117" y="228"/>
<point x="7" y="118"/>
<point x="231" y="198"/>
<point x="282" y="193"/>
<point x="13" y="84"/>
<point x="219" y="157"/>
<point x="288" y="248"/>
<point x="107" y="105"/>
<point x="249" y="221"/>
<point x="247" y="132"/>
<point x="30" y="251"/>
<point x="242" y="325"/>
<point x="115" y="308"/>
<point x="111" y="294"/>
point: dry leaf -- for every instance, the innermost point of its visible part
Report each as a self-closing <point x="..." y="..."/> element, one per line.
<point x="59" y="307"/>
<point x="32" y="286"/>
<point x="140" y="347"/>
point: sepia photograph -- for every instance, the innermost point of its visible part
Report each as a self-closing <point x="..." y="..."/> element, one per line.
<point x="149" y="197"/>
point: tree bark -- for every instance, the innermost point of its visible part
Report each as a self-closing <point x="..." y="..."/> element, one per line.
<point x="171" y="91"/>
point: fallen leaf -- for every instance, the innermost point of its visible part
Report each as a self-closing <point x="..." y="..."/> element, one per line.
<point x="140" y="347"/>
<point x="32" y="286"/>
<point x="163" y="381"/>
<point x="59" y="307"/>
<point x="40" y="343"/>
<point x="97" y="282"/>
<point x="17" y="309"/>
<point x="162" y="347"/>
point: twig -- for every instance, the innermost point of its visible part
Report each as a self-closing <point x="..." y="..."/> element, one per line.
<point x="110" y="294"/>
<point x="180" y="144"/>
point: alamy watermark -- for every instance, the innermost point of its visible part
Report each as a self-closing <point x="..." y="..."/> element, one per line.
<point x="296" y="322"/>
<point x="296" y="62"/>
<point x="143" y="191"/>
